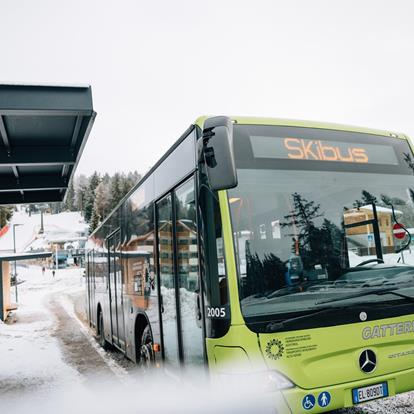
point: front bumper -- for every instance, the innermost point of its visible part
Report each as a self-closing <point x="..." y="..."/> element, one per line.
<point x="341" y="394"/>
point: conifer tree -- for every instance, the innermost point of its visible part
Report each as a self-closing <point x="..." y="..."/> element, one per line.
<point x="302" y="221"/>
<point x="81" y="185"/>
<point x="90" y="196"/>
<point x="100" y="193"/>
<point x="106" y="179"/>
<point x="94" y="221"/>
<point x="102" y="202"/>
<point x="116" y="190"/>
<point x="127" y="184"/>
<point x="70" y="197"/>
<point x="366" y="198"/>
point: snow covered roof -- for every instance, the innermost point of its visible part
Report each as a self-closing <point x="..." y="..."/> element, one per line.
<point x="380" y="209"/>
<point x="24" y="256"/>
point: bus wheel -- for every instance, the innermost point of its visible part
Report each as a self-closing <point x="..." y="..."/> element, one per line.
<point x="101" y="338"/>
<point x="146" y="357"/>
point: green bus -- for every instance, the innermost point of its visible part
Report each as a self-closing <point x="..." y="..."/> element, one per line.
<point x="271" y="248"/>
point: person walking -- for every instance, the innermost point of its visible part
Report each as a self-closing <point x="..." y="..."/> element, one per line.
<point x="43" y="270"/>
<point x="53" y="273"/>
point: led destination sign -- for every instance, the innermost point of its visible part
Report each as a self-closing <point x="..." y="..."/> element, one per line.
<point x="322" y="150"/>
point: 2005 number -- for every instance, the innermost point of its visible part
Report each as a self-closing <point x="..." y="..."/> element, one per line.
<point x="216" y="312"/>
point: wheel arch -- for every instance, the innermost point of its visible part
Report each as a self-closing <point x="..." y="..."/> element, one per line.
<point x="141" y="321"/>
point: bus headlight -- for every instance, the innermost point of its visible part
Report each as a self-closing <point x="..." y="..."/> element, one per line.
<point x="256" y="381"/>
<point x="275" y="381"/>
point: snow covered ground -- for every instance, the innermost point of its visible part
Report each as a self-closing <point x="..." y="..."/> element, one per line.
<point x="62" y="226"/>
<point x="44" y="347"/>
<point x="29" y="352"/>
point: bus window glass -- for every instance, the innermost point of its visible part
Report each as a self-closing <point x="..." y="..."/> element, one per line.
<point x="188" y="269"/>
<point x="167" y="281"/>
<point x="100" y="261"/>
<point x="311" y="234"/>
<point x="138" y="253"/>
<point x="138" y="250"/>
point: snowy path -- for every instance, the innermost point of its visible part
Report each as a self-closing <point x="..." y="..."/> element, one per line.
<point x="47" y="347"/>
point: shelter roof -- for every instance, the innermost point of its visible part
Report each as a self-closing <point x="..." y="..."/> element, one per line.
<point x="43" y="130"/>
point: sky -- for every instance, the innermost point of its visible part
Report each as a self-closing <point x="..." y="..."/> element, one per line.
<point x="155" y="66"/>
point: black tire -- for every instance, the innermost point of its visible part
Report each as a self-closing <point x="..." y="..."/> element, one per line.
<point x="146" y="353"/>
<point x="101" y="336"/>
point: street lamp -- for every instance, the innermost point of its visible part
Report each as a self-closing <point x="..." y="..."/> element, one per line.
<point x="15" y="263"/>
<point x="41" y="221"/>
<point x="42" y="210"/>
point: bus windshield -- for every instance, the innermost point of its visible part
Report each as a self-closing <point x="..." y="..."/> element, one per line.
<point x="321" y="217"/>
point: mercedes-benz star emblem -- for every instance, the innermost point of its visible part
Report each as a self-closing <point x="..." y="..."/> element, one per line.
<point x="367" y="361"/>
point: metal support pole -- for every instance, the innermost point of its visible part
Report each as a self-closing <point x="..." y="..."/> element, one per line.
<point x="56" y="252"/>
<point x="41" y="222"/>
<point x="15" y="263"/>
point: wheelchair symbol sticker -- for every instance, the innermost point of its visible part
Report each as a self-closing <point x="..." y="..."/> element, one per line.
<point x="308" y="402"/>
<point x="324" y="399"/>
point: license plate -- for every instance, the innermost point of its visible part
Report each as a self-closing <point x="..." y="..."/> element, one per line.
<point x="372" y="392"/>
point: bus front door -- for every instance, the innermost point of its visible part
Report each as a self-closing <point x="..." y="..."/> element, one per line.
<point x="115" y="291"/>
<point x="167" y="279"/>
<point x="90" y="276"/>
<point x="181" y="317"/>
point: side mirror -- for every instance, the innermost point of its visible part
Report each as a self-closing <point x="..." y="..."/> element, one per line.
<point x="218" y="153"/>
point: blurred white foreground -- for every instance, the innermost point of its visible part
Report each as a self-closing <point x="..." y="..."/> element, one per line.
<point x="155" y="394"/>
<point x="50" y="363"/>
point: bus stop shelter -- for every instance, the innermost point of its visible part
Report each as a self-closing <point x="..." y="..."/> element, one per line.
<point x="43" y="131"/>
<point x="6" y="304"/>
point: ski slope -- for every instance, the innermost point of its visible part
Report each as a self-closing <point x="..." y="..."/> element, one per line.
<point x="57" y="227"/>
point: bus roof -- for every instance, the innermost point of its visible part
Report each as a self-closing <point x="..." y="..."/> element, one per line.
<point x="305" y="124"/>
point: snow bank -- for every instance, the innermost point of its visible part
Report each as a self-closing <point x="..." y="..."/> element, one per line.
<point x="407" y="257"/>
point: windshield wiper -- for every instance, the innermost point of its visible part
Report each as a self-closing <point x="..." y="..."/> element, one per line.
<point x="276" y="326"/>
<point x="366" y="293"/>
<point x="294" y="289"/>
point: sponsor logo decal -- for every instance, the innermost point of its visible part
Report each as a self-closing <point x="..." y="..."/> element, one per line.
<point x="390" y="329"/>
<point x="274" y="349"/>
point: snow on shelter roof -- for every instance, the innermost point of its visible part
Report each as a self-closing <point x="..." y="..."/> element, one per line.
<point x="24" y="256"/>
<point x="380" y="209"/>
<point x="43" y="130"/>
